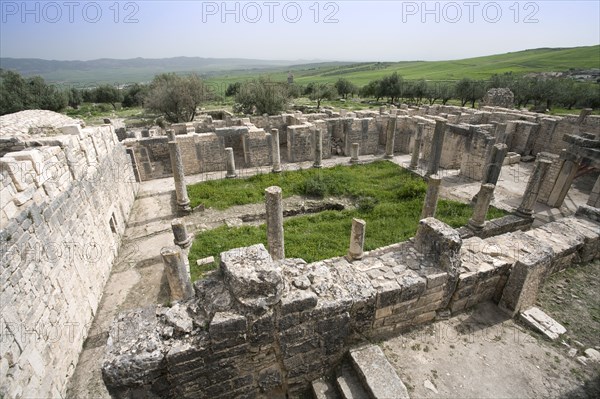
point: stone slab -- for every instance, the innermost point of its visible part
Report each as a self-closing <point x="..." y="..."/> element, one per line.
<point x="377" y="373"/>
<point x="541" y="322"/>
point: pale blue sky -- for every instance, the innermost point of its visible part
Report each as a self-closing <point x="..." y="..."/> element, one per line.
<point x="288" y="30"/>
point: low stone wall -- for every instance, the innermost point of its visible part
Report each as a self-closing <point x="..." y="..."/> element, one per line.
<point x="264" y="328"/>
<point x="64" y="205"/>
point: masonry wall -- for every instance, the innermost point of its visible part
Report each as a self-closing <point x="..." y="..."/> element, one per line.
<point x="64" y="207"/>
<point x="478" y="144"/>
<point x="247" y="340"/>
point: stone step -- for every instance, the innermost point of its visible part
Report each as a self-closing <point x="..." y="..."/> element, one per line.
<point x="377" y="374"/>
<point x="324" y="389"/>
<point x="349" y="384"/>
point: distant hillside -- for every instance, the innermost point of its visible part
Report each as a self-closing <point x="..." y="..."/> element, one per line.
<point x="108" y="70"/>
<point x="538" y="60"/>
<point x="226" y="70"/>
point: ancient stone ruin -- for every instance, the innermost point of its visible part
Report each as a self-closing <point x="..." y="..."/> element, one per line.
<point x="264" y="325"/>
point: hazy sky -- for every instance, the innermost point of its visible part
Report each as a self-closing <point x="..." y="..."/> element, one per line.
<point x="288" y="30"/>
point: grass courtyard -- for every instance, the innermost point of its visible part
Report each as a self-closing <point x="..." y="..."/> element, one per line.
<point x="388" y="197"/>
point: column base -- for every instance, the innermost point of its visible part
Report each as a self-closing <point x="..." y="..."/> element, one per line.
<point x="277" y="170"/>
<point x="525" y="214"/>
<point x="231" y="175"/>
<point x="386" y="156"/>
<point x="185" y="243"/>
<point x="353" y="160"/>
<point x="317" y="166"/>
<point x="351" y="258"/>
<point x="474" y="226"/>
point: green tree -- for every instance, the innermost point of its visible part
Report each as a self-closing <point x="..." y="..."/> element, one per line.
<point x="18" y="93"/>
<point x="135" y="94"/>
<point x="468" y="90"/>
<point x="371" y="89"/>
<point x="176" y="97"/>
<point x="262" y="96"/>
<point x="108" y="94"/>
<point x="391" y="87"/>
<point x="232" y="89"/>
<point x="75" y="97"/>
<point x="345" y="87"/>
<point x="319" y="92"/>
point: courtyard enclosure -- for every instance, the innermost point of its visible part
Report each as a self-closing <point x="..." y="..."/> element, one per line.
<point x="268" y="323"/>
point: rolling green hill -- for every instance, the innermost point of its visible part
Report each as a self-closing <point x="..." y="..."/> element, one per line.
<point x="221" y="72"/>
<point x="538" y="60"/>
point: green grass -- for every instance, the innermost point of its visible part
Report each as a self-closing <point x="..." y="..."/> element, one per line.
<point x="388" y="198"/>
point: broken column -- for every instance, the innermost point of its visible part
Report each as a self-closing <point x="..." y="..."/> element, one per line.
<point x="391" y="135"/>
<point x="436" y="147"/>
<point x="357" y="239"/>
<point x="583" y="114"/>
<point x="231" y="172"/>
<point x="275" y="148"/>
<point x="414" y="159"/>
<point x="500" y="133"/>
<point x="354" y="153"/>
<point x="274" y="207"/>
<point x="318" y="149"/>
<point x="181" y="238"/>
<point x="494" y="164"/>
<point x="565" y="178"/>
<point x="177" y="275"/>
<point x="533" y="188"/>
<point x="484" y="197"/>
<point x="431" y="198"/>
<point x="183" y="201"/>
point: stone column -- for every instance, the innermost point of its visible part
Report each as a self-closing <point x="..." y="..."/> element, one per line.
<point x="500" y="133"/>
<point x="357" y="239"/>
<point x="484" y="197"/>
<point x="494" y="164"/>
<point x="274" y="206"/>
<point x="181" y="238"/>
<point x="183" y="201"/>
<point x="436" y="147"/>
<point x="171" y="135"/>
<point x="318" y="149"/>
<point x="275" y="148"/>
<point x="231" y="172"/>
<point x="391" y="135"/>
<point x="381" y="110"/>
<point x="565" y="178"/>
<point x="414" y="159"/>
<point x="582" y="115"/>
<point x="177" y="275"/>
<point x="533" y="188"/>
<point x="354" y="153"/>
<point x="431" y="198"/>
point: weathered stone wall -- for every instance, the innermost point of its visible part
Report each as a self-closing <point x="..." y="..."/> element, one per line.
<point x="478" y="144"/>
<point x="257" y="148"/>
<point x="550" y="177"/>
<point x="301" y="141"/>
<point x="64" y="207"/>
<point x="364" y="132"/>
<point x="262" y="328"/>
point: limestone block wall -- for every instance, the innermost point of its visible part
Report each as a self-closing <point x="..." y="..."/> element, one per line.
<point x="257" y="148"/>
<point x="64" y="205"/>
<point x="200" y="152"/>
<point x="478" y="144"/>
<point x="243" y="336"/>
<point x="364" y="132"/>
<point x="521" y="136"/>
<point x="301" y="141"/>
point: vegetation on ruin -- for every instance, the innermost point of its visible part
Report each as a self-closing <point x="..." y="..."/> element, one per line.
<point x="388" y="197"/>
